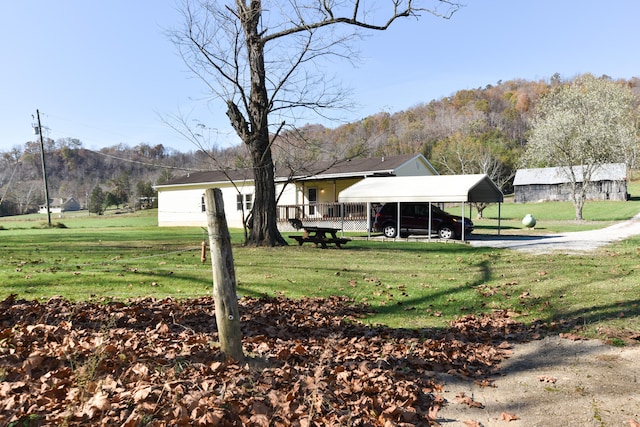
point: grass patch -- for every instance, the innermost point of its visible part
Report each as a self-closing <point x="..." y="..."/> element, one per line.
<point x="408" y="284"/>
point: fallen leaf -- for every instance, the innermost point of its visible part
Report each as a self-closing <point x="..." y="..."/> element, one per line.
<point x="508" y="417"/>
<point x="466" y="400"/>
<point x="433" y="412"/>
<point x="571" y="336"/>
<point x="99" y="402"/>
<point x="547" y="379"/>
<point x="141" y="393"/>
<point x="140" y="369"/>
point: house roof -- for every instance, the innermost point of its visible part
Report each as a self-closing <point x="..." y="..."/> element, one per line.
<point x="438" y="188"/>
<point x="209" y="177"/>
<point x="558" y="175"/>
<point x="378" y="166"/>
<point x="373" y="166"/>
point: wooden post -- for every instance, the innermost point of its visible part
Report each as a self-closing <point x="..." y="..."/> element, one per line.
<point x="224" y="277"/>
<point x="44" y="173"/>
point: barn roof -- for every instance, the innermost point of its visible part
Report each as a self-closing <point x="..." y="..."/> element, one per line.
<point x="557" y="175"/>
<point x="438" y="188"/>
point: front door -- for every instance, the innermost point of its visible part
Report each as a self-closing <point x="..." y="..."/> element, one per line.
<point x="312" y="196"/>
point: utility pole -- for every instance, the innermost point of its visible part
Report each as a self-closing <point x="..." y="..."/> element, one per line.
<point x="44" y="170"/>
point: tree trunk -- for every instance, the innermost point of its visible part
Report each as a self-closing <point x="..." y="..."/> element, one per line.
<point x="480" y="207"/>
<point x="579" y="197"/>
<point x="254" y="132"/>
<point x="578" y="208"/>
<point x="224" y="277"/>
<point x="264" y="230"/>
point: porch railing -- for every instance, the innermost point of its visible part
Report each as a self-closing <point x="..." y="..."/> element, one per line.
<point x="347" y="216"/>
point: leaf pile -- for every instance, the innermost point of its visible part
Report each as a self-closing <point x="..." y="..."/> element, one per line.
<point x="309" y="362"/>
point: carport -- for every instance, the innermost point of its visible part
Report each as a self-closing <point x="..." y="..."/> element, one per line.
<point x="431" y="189"/>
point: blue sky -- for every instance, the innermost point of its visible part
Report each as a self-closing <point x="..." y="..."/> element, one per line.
<point x="105" y="72"/>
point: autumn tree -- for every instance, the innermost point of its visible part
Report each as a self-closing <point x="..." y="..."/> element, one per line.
<point x="266" y="61"/>
<point x="586" y="123"/>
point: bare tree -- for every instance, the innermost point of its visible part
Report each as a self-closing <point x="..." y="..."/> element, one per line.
<point x="265" y="60"/>
<point x="26" y="195"/>
<point x="488" y="153"/>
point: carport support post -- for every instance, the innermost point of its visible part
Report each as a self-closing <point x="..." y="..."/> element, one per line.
<point x="224" y="277"/>
<point x="369" y="222"/>
<point x="462" y="216"/>
<point x="398" y="229"/>
<point x="429" y="221"/>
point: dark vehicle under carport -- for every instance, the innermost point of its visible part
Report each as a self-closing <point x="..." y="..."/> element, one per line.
<point x="463" y="189"/>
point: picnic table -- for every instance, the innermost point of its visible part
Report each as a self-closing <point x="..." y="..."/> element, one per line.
<point x="321" y="236"/>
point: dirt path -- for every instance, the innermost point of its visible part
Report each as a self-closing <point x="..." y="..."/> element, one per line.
<point x="551" y="382"/>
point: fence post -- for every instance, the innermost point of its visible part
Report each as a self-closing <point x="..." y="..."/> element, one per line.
<point x="224" y="277"/>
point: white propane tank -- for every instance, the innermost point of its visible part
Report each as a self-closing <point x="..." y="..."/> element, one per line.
<point x="529" y="221"/>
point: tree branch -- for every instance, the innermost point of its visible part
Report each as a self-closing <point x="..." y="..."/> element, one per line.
<point x="399" y="11"/>
<point x="238" y="122"/>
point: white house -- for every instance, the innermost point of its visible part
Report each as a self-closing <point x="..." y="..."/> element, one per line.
<point x="60" y="205"/>
<point x="310" y="194"/>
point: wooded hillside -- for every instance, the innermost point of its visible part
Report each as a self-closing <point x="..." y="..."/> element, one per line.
<point x="481" y="130"/>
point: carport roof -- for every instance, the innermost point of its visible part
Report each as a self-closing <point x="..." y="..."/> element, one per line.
<point x="438" y="188"/>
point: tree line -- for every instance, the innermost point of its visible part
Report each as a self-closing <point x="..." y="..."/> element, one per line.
<point x="482" y="130"/>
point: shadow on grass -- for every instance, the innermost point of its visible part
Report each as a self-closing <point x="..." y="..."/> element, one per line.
<point x="400" y="307"/>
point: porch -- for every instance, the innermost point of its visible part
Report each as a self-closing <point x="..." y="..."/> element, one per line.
<point x="345" y="216"/>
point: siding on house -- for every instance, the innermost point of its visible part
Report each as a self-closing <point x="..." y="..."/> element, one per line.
<point x="608" y="182"/>
<point x="183" y="204"/>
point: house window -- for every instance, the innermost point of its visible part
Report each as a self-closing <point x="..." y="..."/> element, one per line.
<point x="204" y="206"/>
<point x="246" y="200"/>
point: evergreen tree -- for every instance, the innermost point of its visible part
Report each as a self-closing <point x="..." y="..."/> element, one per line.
<point x="96" y="202"/>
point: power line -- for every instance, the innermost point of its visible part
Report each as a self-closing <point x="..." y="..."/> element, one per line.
<point x="143" y="163"/>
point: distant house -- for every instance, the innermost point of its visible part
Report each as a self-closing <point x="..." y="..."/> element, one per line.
<point x="60" y="205"/>
<point x="608" y="182"/>
<point x="310" y="194"/>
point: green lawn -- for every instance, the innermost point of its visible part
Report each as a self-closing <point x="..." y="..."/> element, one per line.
<point x="408" y="284"/>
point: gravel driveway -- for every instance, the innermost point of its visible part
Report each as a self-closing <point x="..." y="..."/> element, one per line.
<point x="554" y="382"/>
<point x="570" y="242"/>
